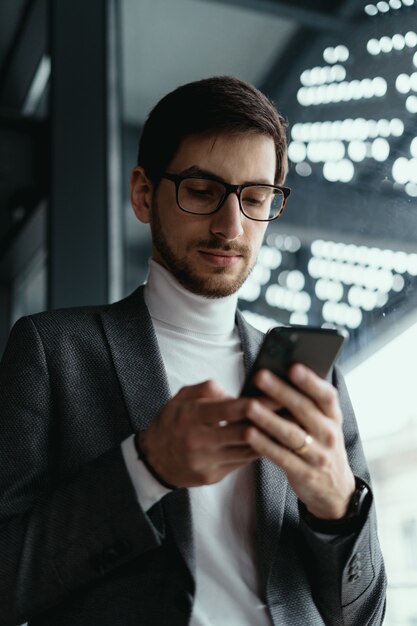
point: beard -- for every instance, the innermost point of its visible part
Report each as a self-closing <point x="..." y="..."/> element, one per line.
<point x="214" y="284"/>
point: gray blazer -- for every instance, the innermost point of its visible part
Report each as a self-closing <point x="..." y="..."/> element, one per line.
<point x="75" y="547"/>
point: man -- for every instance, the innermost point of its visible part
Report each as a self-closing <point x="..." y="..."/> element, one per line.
<point x="137" y="487"/>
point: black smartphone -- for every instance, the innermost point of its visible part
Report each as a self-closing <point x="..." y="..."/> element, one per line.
<point x="317" y="348"/>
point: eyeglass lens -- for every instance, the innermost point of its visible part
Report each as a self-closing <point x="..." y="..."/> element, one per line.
<point x="203" y="196"/>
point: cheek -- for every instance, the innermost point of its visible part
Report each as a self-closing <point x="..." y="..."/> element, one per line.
<point x="255" y="236"/>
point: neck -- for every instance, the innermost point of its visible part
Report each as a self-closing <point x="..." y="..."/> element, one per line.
<point x="170" y="303"/>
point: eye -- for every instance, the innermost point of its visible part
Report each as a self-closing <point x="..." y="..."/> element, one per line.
<point x="256" y="196"/>
<point x="199" y="192"/>
<point x="253" y="201"/>
<point x="200" y="186"/>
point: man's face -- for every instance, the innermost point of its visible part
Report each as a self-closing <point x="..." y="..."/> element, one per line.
<point x="212" y="255"/>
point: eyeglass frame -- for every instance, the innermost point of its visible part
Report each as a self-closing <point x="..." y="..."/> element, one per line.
<point x="229" y="188"/>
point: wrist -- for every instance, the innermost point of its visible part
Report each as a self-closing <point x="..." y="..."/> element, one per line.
<point x="351" y="522"/>
<point x="140" y="447"/>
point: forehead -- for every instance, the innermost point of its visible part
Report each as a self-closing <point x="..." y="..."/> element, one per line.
<point x="235" y="158"/>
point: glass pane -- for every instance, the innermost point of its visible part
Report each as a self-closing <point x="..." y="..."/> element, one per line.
<point x="344" y="253"/>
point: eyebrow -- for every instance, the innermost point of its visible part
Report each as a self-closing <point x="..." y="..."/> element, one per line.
<point x="196" y="171"/>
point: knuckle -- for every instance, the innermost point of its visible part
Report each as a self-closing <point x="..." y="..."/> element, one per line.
<point x="191" y="447"/>
<point x="330" y="394"/>
<point x="210" y="385"/>
<point x="251" y="406"/>
<point x="330" y="438"/>
<point x="300" y="404"/>
<point x="310" y="480"/>
<point x="322" y="460"/>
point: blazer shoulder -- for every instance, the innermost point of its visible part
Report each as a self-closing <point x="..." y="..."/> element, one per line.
<point x="82" y="314"/>
<point x="76" y="322"/>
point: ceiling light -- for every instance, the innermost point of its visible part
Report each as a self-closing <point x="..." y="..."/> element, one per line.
<point x="249" y="291"/>
<point x="305" y="78"/>
<point x="379" y="86"/>
<point x="372" y="128"/>
<point x="386" y="44"/>
<point x="329" y="55"/>
<point x="413" y="147"/>
<point x="342" y="53"/>
<point x="396" y="127"/>
<point x="398" y="42"/>
<point x="296" y="131"/>
<point x="412" y="170"/>
<point x="400" y="261"/>
<point x="411" y="189"/>
<point x="303" y="169"/>
<point x="270" y="257"/>
<point x="402" y="83"/>
<point x="371" y="9"/>
<point x="410" y="38"/>
<point x="292" y="243"/>
<point x="297" y="151"/>
<point x="303" y="96"/>
<point x="380" y="149"/>
<point x="400" y="170"/>
<point x="317" y="247"/>
<point x="412" y="264"/>
<point x="360" y="129"/>
<point x="356" y="89"/>
<point x="295" y="280"/>
<point x="373" y="47"/>
<point x="367" y="88"/>
<point x="357" y="151"/>
<point x="383" y="126"/>
<point x="383" y="7"/>
<point x="330" y="171"/>
<point x="346" y="170"/>
<point x="300" y="319"/>
<point x="411" y="104"/>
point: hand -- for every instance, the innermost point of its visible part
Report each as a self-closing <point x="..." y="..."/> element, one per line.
<point x="199" y="436"/>
<point x="320" y="476"/>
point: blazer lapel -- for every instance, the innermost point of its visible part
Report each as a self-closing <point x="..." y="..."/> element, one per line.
<point x="143" y="380"/>
<point x="270" y="481"/>
<point x="137" y="359"/>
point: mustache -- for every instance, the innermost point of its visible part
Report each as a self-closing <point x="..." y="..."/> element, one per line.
<point x="218" y="244"/>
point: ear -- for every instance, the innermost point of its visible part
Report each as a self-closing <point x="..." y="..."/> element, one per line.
<point x="141" y="194"/>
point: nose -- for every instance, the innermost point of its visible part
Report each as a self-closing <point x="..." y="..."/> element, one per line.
<point x="226" y="223"/>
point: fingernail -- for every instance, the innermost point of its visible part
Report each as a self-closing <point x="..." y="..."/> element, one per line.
<point x="298" y="373"/>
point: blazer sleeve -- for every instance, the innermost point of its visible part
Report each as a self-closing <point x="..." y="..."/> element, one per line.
<point x="347" y="573"/>
<point x="54" y="538"/>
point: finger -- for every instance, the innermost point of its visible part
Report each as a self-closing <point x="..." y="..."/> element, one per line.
<point x="303" y="409"/>
<point x="278" y="454"/>
<point x="321" y="391"/>
<point x="220" y="414"/>
<point x="288" y="433"/>
<point x="209" y="389"/>
<point x="234" y="434"/>
<point x="240" y="455"/>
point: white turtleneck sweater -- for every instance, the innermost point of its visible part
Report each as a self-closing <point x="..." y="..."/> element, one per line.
<point x="198" y="340"/>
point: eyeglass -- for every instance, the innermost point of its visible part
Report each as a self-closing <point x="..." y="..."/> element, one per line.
<point x="204" y="196"/>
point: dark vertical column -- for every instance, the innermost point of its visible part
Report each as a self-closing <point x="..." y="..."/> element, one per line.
<point x="83" y="200"/>
<point x="4" y="314"/>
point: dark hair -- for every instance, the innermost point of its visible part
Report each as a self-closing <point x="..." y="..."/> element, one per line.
<point x="221" y="104"/>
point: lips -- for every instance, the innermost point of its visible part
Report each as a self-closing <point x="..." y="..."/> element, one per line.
<point x="221" y="258"/>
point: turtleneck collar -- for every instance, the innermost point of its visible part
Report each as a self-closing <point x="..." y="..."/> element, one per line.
<point x="170" y="303"/>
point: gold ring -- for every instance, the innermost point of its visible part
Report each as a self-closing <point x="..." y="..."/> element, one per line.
<point x="308" y="440"/>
